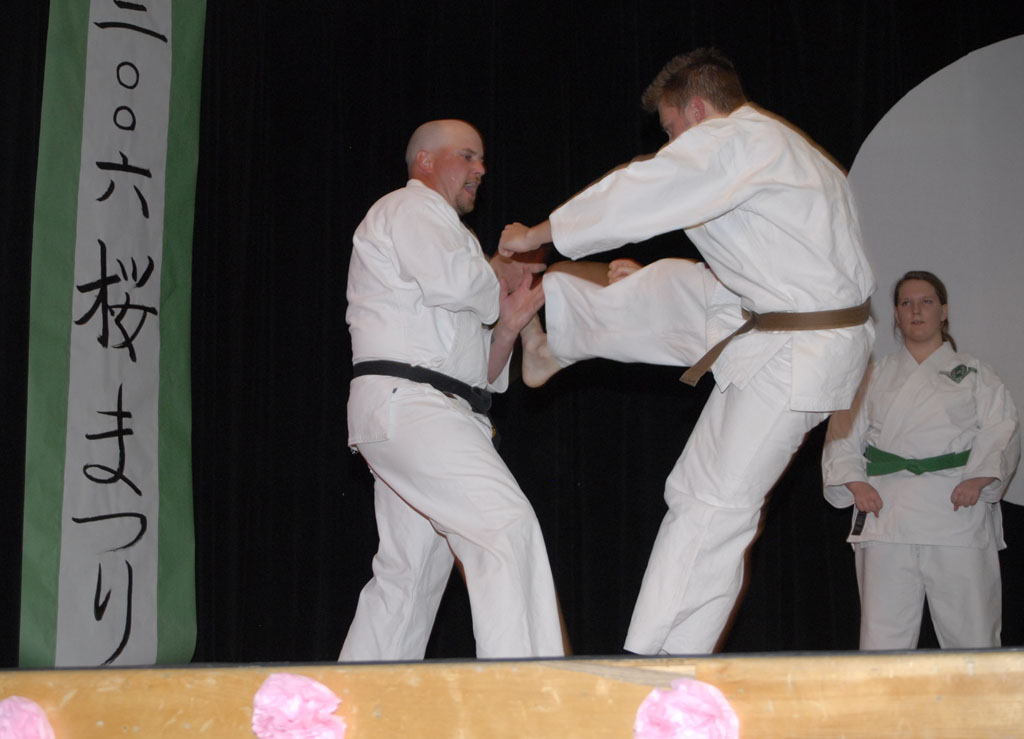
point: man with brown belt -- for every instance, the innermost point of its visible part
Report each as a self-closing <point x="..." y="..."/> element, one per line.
<point x="775" y="222"/>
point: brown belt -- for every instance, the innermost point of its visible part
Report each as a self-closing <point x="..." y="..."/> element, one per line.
<point x="812" y="321"/>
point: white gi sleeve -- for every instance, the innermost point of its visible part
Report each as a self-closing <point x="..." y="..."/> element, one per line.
<point x="694" y="179"/>
<point x="996" y="447"/>
<point x="500" y="383"/>
<point x="842" y="459"/>
<point x="437" y="252"/>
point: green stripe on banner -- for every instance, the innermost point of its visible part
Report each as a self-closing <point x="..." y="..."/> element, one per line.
<point x="53" y="248"/>
<point x="176" y="580"/>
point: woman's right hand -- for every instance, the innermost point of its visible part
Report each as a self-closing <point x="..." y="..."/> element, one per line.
<point x="865" y="497"/>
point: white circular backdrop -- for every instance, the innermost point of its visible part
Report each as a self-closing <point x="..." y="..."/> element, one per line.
<point x="939" y="185"/>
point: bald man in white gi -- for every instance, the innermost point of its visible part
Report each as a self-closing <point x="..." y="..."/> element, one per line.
<point x="775" y="222"/>
<point x="433" y="324"/>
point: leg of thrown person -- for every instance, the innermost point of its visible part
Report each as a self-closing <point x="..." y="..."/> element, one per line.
<point x="657" y="315"/>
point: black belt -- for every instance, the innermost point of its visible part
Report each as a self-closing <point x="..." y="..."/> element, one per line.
<point x="479" y="400"/>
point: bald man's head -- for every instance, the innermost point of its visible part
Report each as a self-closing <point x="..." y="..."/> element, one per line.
<point x="448" y="157"/>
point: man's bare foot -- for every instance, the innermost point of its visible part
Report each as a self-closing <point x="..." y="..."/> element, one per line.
<point x="538" y="363"/>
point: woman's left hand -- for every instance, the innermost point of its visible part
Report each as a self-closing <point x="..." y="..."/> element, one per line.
<point x="966" y="493"/>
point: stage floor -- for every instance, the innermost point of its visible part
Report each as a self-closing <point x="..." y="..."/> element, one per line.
<point x="909" y="694"/>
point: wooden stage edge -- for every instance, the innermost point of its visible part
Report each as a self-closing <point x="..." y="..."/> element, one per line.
<point x="907" y="694"/>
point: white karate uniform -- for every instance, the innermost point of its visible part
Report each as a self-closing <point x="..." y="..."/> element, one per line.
<point x="918" y="546"/>
<point x="420" y="291"/>
<point x="669" y="313"/>
<point x="775" y="221"/>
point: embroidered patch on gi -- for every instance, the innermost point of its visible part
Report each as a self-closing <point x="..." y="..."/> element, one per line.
<point x="958" y="373"/>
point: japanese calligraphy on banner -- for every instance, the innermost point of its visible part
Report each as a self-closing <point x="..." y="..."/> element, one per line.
<point x="108" y="565"/>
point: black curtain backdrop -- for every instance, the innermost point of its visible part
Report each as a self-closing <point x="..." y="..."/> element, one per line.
<point x="306" y="111"/>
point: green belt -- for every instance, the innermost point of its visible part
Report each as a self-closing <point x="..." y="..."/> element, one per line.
<point x="885" y="463"/>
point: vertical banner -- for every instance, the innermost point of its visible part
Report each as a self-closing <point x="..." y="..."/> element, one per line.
<point x="108" y="564"/>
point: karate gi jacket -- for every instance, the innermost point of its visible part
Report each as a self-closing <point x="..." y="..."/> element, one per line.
<point x="948" y="403"/>
<point x="420" y="291"/>
<point x="775" y="221"/>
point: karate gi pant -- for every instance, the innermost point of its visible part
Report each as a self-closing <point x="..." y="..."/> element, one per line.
<point x="962" y="585"/>
<point x="442" y="491"/>
<point x="658" y="315"/>
<point x="741" y="444"/>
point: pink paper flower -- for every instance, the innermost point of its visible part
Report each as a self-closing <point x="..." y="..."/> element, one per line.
<point x="21" y="718"/>
<point x="691" y="710"/>
<point x="291" y="706"/>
